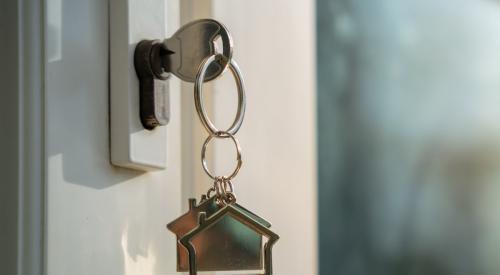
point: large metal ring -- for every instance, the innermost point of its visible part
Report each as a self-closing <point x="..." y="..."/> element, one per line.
<point x="198" y="96"/>
<point x="238" y="155"/>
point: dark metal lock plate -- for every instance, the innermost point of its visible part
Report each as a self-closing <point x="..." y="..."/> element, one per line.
<point x="154" y="92"/>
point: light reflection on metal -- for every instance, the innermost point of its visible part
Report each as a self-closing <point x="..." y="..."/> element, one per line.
<point x="226" y="238"/>
<point x="238" y="215"/>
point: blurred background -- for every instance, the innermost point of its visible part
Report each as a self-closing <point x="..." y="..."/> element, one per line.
<point x="408" y="136"/>
<point x="371" y="139"/>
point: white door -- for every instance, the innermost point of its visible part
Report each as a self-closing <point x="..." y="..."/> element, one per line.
<point x="87" y="216"/>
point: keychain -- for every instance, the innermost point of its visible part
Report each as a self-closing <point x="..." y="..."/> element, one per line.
<point x="218" y="234"/>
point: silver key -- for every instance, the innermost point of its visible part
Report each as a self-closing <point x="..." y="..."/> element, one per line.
<point x="194" y="42"/>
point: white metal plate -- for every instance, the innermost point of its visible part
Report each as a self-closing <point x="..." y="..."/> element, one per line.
<point x="132" y="146"/>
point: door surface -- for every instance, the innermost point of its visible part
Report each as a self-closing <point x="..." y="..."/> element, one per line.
<point x="102" y="219"/>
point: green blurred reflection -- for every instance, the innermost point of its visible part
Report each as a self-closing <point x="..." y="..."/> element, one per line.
<point x="409" y="136"/>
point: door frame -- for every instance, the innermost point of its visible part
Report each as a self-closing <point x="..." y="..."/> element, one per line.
<point x="22" y="140"/>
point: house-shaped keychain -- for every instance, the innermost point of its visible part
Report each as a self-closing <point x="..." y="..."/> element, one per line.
<point x="222" y="238"/>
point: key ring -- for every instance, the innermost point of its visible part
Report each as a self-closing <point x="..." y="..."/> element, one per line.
<point x="238" y="155"/>
<point x="198" y="95"/>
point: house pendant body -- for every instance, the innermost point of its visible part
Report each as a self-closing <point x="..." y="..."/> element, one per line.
<point x="215" y="238"/>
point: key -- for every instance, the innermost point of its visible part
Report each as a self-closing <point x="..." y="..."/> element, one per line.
<point x="194" y="42"/>
<point x="180" y="55"/>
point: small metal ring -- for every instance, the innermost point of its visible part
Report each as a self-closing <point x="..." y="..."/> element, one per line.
<point x="210" y="191"/>
<point x="230" y="199"/>
<point x="219" y="187"/>
<point x="228" y="186"/>
<point x="238" y="155"/>
<point x="198" y="95"/>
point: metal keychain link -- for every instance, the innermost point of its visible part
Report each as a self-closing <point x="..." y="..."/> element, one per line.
<point x="220" y="182"/>
<point x="246" y="238"/>
<point x="198" y="95"/>
<point x="223" y="187"/>
<point x="224" y="191"/>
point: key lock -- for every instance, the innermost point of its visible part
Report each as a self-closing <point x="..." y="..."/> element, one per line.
<point x="180" y="55"/>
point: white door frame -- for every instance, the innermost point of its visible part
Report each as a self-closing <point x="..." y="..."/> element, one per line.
<point x="22" y="137"/>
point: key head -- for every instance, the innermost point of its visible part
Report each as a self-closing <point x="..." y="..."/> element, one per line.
<point x="194" y="42"/>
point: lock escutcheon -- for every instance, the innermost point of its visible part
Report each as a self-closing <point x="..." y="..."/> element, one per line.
<point x="154" y="93"/>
